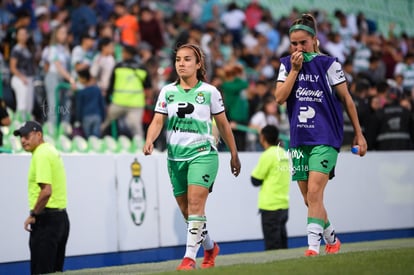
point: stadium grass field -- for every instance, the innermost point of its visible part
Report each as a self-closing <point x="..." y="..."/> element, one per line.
<point x="394" y="256"/>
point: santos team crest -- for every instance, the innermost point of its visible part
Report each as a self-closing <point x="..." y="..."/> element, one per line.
<point x="136" y="194"/>
<point x="200" y="99"/>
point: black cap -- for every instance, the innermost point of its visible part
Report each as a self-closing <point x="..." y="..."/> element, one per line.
<point x="130" y="49"/>
<point x="28" y="127"/>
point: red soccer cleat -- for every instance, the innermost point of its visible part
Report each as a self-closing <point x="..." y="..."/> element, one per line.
<point x="187" y="264"/>
<point x="309" y="253"/>
<point x="333" y="248"/>
<point x="210" y="256"/>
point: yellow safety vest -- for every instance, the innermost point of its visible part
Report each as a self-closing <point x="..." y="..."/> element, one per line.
<point x="128" y="87"/>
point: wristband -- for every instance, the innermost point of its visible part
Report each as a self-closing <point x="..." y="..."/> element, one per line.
<point x="32" y="214"/>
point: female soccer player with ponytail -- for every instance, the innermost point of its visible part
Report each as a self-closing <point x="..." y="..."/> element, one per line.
<point x="188" y="105"/>
<point x="314" y="87"/>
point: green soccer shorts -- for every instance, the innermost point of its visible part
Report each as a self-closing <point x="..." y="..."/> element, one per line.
<point x="320" y="158"/>
<point x="201" y="171"/>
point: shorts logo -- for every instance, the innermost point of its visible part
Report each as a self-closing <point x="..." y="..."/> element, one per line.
<point x="206" y="178"/>
<point x="324" y="163"/>
<point x="306" y="112"/>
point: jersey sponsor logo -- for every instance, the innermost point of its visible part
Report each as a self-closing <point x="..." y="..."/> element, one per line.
<point x="305" y="94"/>
<point x="221" y="102"/>
<point x="305" y="113"/>
<point x="200" y="99"/>
<point x="162" y="104"/>
<point x="170" y="98"/>
<point x="184" y="108"/>
<point x="184" y="130"/>
<point x="185" y="126"/>
<point x="202" y="149"/>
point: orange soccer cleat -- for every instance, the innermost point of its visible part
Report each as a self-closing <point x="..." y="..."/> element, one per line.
<point x="333" y="248"/>
<point x="187" y="264"/>
<point x="310" y="252"/>
<point x="210" y="256"/>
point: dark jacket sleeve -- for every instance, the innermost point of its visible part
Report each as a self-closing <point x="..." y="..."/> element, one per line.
<point x="110" y="90"/>
<point x="256" y="182"/>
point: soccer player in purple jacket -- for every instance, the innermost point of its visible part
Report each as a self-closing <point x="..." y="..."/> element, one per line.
<point x="314" y="86"/>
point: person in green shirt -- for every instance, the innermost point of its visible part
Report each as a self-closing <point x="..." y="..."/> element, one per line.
<point x="272" y="174"/>
<point x="48" y="222"/>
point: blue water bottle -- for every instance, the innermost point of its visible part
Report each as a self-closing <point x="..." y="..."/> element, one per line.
<point x="355" y="149"/>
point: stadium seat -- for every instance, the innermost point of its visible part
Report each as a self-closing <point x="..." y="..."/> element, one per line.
<point x="5" y="130"/>
<point x="125" y="144"/>
<point x="65" y="128"/>
<point x="137" y="144"/>
<point x="64" y="144"/>
<point x="6" y="148"/>
<point x="15" y="144"/>
<point x="96" y="145"/>
<point x="111" y="144"/>
<point x="15" y="125"/>
<point x="49" y="139"/>
<point x="80" y="145"/>
<point x="48" y="129"/>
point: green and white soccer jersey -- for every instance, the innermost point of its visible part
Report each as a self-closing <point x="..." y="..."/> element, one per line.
<point x="189" y="127"/>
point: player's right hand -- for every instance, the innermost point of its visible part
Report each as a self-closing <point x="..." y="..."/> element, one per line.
<point x="28" y="222"/>
<point x="296" y="59"/>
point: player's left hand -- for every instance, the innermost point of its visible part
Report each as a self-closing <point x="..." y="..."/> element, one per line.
<point x="362" y="143"/>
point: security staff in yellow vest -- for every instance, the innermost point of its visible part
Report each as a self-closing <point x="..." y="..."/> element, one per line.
<point x="130" y="83"/>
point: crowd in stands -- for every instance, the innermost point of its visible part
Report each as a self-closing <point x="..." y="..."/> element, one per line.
<point x="56" y="55"/>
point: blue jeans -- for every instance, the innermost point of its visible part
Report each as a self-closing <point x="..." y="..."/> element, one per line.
<point x="91" y="125"/>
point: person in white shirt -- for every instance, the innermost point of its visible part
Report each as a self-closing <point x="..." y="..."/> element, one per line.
<point x="268" y="115"/>
<point x="233" y="20"/>
<point x="58" y="70"/>
<point x="103" y="64"/>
